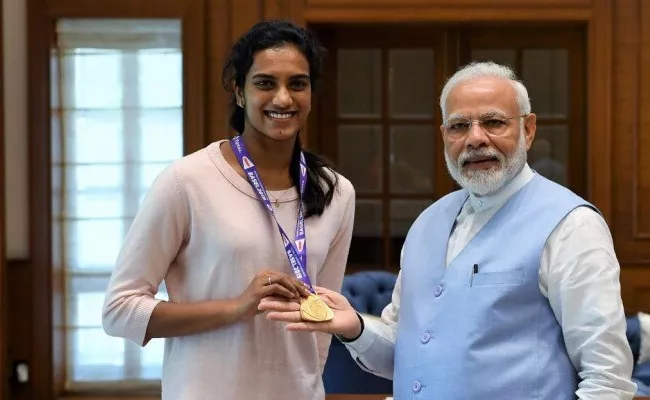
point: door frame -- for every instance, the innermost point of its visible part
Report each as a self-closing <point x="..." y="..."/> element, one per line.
<point x="4" y="381"/>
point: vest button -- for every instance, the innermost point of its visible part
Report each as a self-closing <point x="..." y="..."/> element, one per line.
<point x="425" y="338"/>
<point x="417" y="386"/>
<point x="439" y="289"/>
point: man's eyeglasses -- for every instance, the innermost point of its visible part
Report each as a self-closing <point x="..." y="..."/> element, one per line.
<point x="492" y="125"/>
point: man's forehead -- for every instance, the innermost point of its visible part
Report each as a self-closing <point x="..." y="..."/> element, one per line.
<point x="478" y="114"/>
<point x="483" y="95"/>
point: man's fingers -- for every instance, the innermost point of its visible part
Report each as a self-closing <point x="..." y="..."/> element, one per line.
<point x="278" y="305"/>
<point x="306" y="327"/>
<point x="321" y="290"/>
<point x="284" y="316"/>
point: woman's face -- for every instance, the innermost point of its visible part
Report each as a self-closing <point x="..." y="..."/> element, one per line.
<point x="277" y="93"/>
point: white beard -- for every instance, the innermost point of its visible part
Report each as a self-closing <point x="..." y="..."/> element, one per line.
<point x="488" y="181"/>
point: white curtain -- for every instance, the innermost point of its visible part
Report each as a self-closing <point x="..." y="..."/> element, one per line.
<point x="116" y="122"/>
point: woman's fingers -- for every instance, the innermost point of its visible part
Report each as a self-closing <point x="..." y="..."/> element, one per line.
<point x="292" y="284"/>
<point x="277" y="289"/>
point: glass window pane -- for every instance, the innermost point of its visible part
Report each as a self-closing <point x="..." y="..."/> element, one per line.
<point x="549" y="153"/>
<point x="402" y="215"/>
<point x="96" y="205"/>
<point x="411" y="83"/>
<point x="95" y="356"/>
<point x="360" y="156"/>
<point x="93" y="244"/>
<point x="89" y="309"/>
<point x="162" y="135"/>
<point x="95" y="177"/>
<point x="411" y="159"/>
<point x="367" y="246"/>
<point x="546" y="75"/>
<point x="499" y="56"/>
<point x="157" y="66"/>
<point x="359" y="83"/>
<point x="88" y="65"/>
<point x="151" y="359"/>
<point x="94" y="136"/>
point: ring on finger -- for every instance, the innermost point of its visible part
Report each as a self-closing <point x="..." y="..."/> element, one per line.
<point x="269" y="278"/>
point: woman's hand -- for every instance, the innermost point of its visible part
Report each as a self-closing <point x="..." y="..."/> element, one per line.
<point x="268" y="283"/>
<point x="345" y="321"/>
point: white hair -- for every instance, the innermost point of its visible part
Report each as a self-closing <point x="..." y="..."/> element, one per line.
<point x="488" y="69"/>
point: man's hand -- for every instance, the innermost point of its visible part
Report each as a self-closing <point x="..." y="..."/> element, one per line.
<point x="345" y="322"/>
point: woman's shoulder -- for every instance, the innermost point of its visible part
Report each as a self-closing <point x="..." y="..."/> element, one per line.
<point x="195" y="164"/>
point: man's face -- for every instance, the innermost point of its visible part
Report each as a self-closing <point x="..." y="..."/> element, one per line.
<point x="483" y="156"/>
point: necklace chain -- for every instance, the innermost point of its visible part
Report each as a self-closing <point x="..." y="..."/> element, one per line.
<point x="276" y="201"/>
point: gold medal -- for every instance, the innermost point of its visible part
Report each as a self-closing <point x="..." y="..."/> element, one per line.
<point x="314" y="309"/>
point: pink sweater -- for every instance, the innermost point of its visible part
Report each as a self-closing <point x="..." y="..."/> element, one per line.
<point x="203" y="231"/>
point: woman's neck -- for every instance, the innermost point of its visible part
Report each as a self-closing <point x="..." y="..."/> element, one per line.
<point x="272" y="158"/>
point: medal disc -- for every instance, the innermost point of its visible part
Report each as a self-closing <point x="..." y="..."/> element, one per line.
<point x="314" y="309"/>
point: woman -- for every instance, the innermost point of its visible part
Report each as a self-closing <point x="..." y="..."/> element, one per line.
<point x="209" y="230"/>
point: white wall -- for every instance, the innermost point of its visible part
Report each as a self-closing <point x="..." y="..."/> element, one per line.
<point x="15" y="113"/>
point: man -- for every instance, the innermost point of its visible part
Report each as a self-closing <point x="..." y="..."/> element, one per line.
<point x="509" y="288"/>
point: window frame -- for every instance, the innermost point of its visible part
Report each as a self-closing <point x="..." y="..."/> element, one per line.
<point x="47" y="341"/>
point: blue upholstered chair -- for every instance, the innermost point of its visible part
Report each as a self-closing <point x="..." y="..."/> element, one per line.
<point x="368" y="292"/>
<point x="641" y="373"/>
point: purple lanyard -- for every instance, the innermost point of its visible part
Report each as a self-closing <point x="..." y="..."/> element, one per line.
<point x="297" y="253"/>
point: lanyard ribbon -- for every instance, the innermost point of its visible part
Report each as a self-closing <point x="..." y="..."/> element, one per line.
<point x="296" y="253"/>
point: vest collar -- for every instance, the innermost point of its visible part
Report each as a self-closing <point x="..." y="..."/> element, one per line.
<point x="500" y="197"/>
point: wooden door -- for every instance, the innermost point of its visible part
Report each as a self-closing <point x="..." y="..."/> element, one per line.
<point x="379" y="116"/>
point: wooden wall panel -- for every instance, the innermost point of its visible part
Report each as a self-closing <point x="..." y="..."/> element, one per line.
<point x="635" y="288"/>
<point x="631" y="147"/>
<point x="599" y="107"/>
<point x="631" y="151"/>
<point x="641" y="216"/>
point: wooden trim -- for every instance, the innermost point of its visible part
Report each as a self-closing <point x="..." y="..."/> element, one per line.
<point x="194" y="48"/>
<point x="639" y="121"/>
<point x="599" y="108"/>
<point x="448" y="3"/>
<point x="446" y="14"/>
<point x="4" y="390"/>
<point x="218" y="32"/>
<point x="38" y="91"/>
<point x="115" y="8"/>
<point x="101" y="397"/>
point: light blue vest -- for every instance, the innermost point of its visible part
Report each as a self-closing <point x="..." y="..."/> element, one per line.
<point x="489" y="335"/>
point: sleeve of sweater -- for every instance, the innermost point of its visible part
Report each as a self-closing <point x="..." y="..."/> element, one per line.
<point x="150" y="246"/>
<point x="331" y="274"/>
